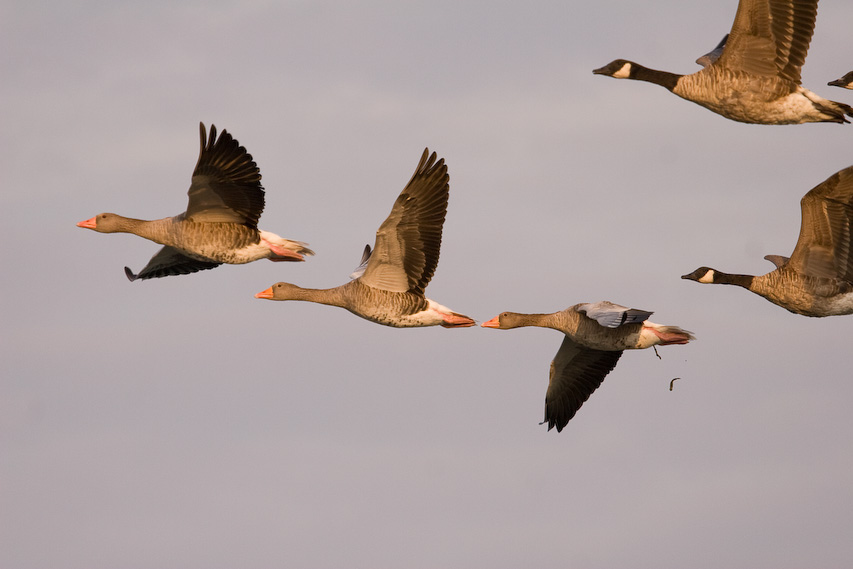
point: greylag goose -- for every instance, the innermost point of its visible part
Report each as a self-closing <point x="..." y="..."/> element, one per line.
<point x="596" y="335"/>
<point x="756" y="78"/>
<point x="226" y="199"/>
<point x="388" y="287"/>
<point x="845" y="81"/>
<point x="817" y="279"/>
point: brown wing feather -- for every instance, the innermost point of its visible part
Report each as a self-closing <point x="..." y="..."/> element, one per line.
<point x="226" y="184"/>
<point x="576" y="372"/>
<point x="750" y="46"/>
<point x="824" y="245"/>
<point x="408" y="242"/>
<point x="770" y="37"/>
<point x="793" y="24"/>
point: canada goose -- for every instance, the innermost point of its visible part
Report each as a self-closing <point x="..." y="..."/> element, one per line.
<point x="596" y="336"/>
<point x="756" y="78"/>
<point x="845" y="81"/>
<point x="817" y="280"/>
<point x="226" y="199"/>
<point x="388" y="287"/>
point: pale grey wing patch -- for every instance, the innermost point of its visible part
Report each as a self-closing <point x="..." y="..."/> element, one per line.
<point x="385" y="269"/>
<point x="359" y="270"/>
<point x="714" y="54"/>
<point x="576" y="372"/>
<point x="226" y="183"/>
<point x="778" y="260"/>
<point x="168" y="261"/>
<point x="385" y="276"/>
<point x="612" y="315"/>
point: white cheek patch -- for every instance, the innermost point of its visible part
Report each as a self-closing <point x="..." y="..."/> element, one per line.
<point x="624" y="72"/>
<point x="707" y="278"/>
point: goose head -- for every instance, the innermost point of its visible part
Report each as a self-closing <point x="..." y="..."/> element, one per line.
<point x="702" y="275"/>
<point x="504" y="321"/>
<point x="280" y="291"/>
<point x="846" y="81"/>
<point x="618" y="69"/>
<point x="104" y="223"/>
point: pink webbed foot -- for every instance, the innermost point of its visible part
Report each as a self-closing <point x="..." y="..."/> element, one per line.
<point x="282" y="254"/>
<point x="454" y="320"/>
<point x="669" y="336"/>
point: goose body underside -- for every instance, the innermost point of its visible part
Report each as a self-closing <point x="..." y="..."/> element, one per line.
<point x="401" y="309"/>
<point x="413" y="315"/>
<point x="245" y="254"/>
<point x="231" y="243"/>
<point x="762" y="101"/>
<point x="820" y="307"/>
<point x="818" y="298"/>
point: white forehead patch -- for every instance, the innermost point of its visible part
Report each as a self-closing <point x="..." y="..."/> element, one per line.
<point x="624" y="71"/>
<point x="708" y="277"/>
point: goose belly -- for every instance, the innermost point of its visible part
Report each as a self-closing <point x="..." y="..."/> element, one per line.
<point x="838" y="305"/>
<point x="224" y="243"/>
<point x="400" y="310"/>
<point x="396" y="319"/>
<point x="822" y="299"/>
<point x="751" y="99"/>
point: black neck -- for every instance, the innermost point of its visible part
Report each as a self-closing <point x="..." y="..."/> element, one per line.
<point x="662" y="78"/>
<point x="738" y="280"/>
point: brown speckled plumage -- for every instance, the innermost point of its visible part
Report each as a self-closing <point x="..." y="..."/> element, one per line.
<point x="756" y="77"/>
<point x="817" y="280"/>
<point x="220" y="225"/>
<point x="390" y="288"/>
<point x="595" y="336"/>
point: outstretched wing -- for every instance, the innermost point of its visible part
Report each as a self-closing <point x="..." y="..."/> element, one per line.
<point x="576" y="372"/>
<point x="167" y="262"/>
<point x="770" y="37"/>
<point x="226" y="184"/>
<point x="408" y="241"/>
<point x="824" y="245"/>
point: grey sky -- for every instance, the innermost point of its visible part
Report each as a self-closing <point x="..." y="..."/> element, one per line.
<point x="183" y="423"/>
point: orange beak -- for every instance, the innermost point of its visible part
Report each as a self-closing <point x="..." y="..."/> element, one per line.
<point x="493" y="323"/>
<point x="89" y="223"/>
<point x="265" y="293"/>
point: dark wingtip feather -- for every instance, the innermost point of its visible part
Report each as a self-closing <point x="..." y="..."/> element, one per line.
<point x="130" y="276"/>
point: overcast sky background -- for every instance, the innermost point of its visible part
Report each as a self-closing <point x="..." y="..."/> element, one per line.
<point x="183" y="423"/>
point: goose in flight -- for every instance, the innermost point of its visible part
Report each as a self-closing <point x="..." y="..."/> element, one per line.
<point x="220" y="225"/>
